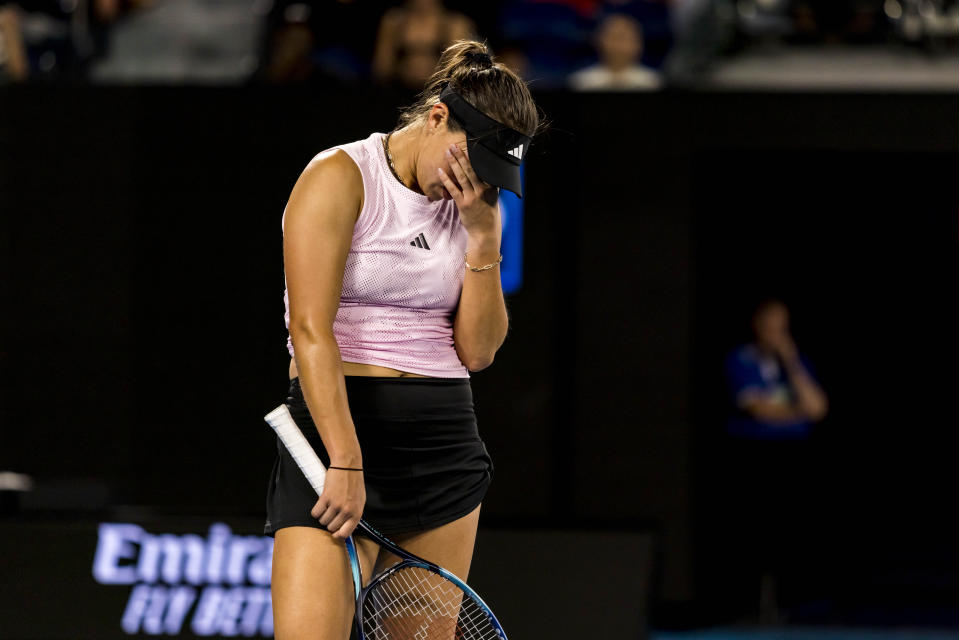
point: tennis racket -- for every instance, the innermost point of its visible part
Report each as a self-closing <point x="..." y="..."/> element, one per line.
<point x="411" y="600"/>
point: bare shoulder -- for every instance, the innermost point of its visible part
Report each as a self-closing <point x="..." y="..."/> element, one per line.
<point x="319" y="221"/>
<point x="331" y="181"/>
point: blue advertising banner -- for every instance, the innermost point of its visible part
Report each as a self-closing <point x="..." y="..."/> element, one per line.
<point x="511" y="269"/>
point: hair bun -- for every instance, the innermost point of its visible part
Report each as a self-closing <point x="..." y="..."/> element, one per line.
<point x="480" y="58"/>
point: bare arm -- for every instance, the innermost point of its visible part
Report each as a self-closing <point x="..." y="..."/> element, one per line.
<point x="481" y="321"/>
<point x="810" y="404"/>
<point x="14" y="50"/>
<point x="810" y="398"/>
<point x="771" y="411"/>
<point x="318" y="229"/>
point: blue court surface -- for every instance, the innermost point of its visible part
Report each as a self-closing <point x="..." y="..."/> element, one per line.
<point x="806" y="633"/>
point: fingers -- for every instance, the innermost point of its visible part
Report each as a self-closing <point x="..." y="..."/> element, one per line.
<point x="346" y="530"/>
<point x="450" y="186"/>
<point x="319" y="509"/>
<point x="327" y="515"/>
<point x="459" y="171"/>
<point x="467" y="167"/>
<point x="339" y="522"/>
<point x="340" y="507"/>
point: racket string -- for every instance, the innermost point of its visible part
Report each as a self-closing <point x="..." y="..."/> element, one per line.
<point x="411" y="606"/>
<point x="413" y="603"/>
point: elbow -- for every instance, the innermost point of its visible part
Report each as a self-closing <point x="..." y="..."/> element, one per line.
<point x="819" y="412"/>
<point x="813" y="412"/>
<point x="478" y="363"/>
<point x="815" y="406"/>
<point x="305" y="332"/>
<point x="477" y="357"/>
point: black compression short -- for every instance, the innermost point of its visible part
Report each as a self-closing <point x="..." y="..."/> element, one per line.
<point x="424" y="462"/>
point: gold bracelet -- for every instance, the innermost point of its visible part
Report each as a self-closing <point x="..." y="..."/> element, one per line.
<point x="484" y="267"/>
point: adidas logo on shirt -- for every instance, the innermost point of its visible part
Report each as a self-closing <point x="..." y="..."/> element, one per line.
<point x="420" y="241"/>
<point x="517" y="152"/>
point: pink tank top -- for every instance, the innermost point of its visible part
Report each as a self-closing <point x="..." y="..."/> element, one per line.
<point x="403" y="275"/>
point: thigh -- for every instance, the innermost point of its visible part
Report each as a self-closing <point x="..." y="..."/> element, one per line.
<point x="450" y="545"/>
<point x="312" y="586"/>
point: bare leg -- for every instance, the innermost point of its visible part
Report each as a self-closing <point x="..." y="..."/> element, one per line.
<point x="450" y="545"/>
<point x="312" y="587"/>
<point x="433" y="614"/>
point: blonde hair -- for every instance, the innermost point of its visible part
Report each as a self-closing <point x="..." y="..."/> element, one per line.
<point x="486" y="84"/>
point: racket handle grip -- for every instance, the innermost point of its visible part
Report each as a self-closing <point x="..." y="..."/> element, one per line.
<point x="296" y="443"/>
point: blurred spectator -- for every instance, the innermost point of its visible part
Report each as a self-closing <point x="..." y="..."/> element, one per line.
<point x="412" y="37"/>
<point x="13" y="56"/>
<point x="43" y="40"/>
<point x="552" y="35"/>
<point x="203" y="41"/>
<point x="934" y="25"/>
<point x="773" y="499"/>
<point x="773" y="389"/>
<point x="619" y="42"/>
<point x="655" y="19"/>
<point x="289" y="53"/>
<point x="320" y="41"/>
<point x="701" y="28"/>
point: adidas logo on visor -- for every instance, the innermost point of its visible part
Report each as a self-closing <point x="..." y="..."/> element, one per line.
<point x="517" y="152"/>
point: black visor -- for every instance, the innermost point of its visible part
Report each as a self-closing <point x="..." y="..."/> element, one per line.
<point x="495" y="150"/>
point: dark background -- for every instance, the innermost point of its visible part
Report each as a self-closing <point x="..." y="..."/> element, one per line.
<point x="143" y="338"/>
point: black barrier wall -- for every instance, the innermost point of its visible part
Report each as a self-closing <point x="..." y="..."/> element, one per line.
<point x="143" y="332"/>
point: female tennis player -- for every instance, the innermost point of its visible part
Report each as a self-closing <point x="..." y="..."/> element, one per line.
<point x="391" y="254"/>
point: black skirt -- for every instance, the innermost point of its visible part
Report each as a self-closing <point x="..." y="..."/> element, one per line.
<point x="424" y="462"/>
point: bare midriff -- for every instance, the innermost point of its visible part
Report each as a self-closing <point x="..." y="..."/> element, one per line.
<point x="360" y="369"/>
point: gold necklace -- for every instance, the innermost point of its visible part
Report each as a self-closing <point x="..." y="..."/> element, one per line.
<point x="389" y="157"/>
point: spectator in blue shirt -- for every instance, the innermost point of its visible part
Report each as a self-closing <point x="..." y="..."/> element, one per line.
<point x="771" y="497"/>
<point x="772" y="385"/>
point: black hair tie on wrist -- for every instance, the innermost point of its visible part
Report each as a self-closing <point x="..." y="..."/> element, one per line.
<point x="348" y="468"/>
